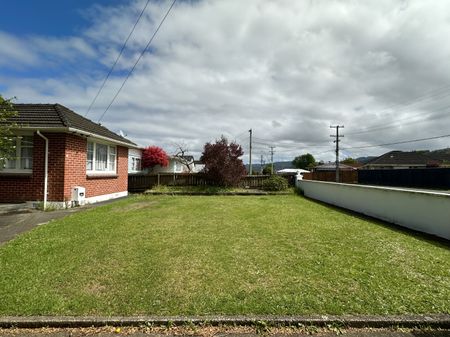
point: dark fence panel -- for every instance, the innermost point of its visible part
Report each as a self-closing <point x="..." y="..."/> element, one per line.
<point x="140" y="183"/>
<point x="348" y="177"/>
<point x="438" y="178"/>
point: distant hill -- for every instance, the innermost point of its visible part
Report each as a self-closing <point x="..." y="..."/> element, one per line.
<point x="279" y="165"/>
<point x="364" y="160"/>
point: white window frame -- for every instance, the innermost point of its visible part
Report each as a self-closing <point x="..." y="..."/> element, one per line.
<point x="177" y="167"/>
<point x="18" y="157"/>
<point x="134" y="164"/>
<point x="109" y="155"/>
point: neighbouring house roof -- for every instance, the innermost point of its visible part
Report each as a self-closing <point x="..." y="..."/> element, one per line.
<point x="332" y="167"/>
<point x="298" y="171"/>
<point x="189" y="159"/>
<point x="400" y="158"/>
<point x="58" y="117"/>
<point x="441" y="155"/>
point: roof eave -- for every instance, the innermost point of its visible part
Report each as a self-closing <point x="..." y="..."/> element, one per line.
<point x="90" y="134"/>
<point x="78" y="131"/>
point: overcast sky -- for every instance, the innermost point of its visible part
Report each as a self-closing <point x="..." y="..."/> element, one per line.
<point x="286" y="69"/>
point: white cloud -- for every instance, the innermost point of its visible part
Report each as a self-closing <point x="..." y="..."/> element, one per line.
<point x="14" y="53"/>
<point x="286" y="69"/>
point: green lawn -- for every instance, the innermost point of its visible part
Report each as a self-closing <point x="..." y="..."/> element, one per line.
<point x="173" y="255"/>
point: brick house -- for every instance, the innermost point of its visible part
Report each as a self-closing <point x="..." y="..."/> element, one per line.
<point x="79" y="152"/>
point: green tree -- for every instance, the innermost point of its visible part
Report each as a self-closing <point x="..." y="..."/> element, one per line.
<point x="7" y="111"/>
<point x="267" y="169"/>
<point x="349" y="161"/>
<point x="304" y="161"/>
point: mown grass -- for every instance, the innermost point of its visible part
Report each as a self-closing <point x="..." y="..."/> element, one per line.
<point x="166" y="255"/>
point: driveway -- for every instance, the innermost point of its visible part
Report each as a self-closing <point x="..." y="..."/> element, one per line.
<point x="15" y="223"/>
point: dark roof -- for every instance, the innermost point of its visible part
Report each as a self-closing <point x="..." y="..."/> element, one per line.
<point x="401" y="158"/>
<point x="58" y="116"/>
<point x="442" y="155"/>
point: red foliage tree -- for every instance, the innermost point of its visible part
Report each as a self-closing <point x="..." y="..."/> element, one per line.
<point x="154" y="155"/>
<point x="223" y="167"/>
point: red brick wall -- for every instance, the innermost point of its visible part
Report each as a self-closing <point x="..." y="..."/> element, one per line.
<point x="66" y="169"/>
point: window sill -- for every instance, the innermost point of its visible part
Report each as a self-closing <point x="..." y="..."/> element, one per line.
<point x="100" y="175"/>
<point x="16" y="173"/>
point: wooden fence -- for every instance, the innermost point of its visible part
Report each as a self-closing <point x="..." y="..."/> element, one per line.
<point x="348" y="177"/>
<point x="140" y="183"/>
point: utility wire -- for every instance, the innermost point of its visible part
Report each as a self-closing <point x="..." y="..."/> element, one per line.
<point x="137" y="61"/>
<point x="395" y="143"/>
<point x="117" y="59"/>
<point x="430" y="94"/>
<point x="395" y="124"/>
<point x="402" y="106"/>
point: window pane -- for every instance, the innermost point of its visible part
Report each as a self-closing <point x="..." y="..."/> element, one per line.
<point x="138" y="164"/>
<point x="90" y="157"/>
<point x="112" y="163"/>
<point x="112" y="158"/>
<point x="27" y="141"/>
<point x="26" y="160"/>
<point x="10" y="164"/>
<point x="101" y="162"/>
<point x="130" y="163"/>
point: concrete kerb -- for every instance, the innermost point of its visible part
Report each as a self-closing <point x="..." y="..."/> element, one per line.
<point x="435" y="321"/>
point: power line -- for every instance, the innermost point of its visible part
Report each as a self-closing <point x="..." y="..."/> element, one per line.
<point x="395" y="143"/>
<point x="430" y="94"/>
<point x="442" y="91"/>
<point x="395" y="124"/>
<point x="137" y="61"/>
<point x="117" y="59"/>
<point x="283" y="144"/>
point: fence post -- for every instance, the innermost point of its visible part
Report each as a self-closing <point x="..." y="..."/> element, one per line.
<point x="158" y="179"/>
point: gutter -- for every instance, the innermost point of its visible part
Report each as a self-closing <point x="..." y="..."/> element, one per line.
<point x="45" y="169"/>
<point x="84" y="133"/>
<point x="102" y="137"/>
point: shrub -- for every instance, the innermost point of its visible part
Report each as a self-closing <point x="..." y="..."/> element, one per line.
<point x="275" y="183"/>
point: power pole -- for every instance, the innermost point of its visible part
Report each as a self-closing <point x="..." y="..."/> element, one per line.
<point x="271" y="159"/>
<point x="337" y="140"/>
<point x="250" y="155"/>
<point x="262" y="163"/>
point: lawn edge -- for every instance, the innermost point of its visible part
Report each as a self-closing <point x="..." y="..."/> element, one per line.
<point x="195" y="193"/>
<point x="441" y="321"/>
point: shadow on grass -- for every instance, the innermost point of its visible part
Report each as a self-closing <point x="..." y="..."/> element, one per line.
<point x="429" y="238"/>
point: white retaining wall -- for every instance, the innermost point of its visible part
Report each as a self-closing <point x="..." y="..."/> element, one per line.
<point x="423" y="211"/>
